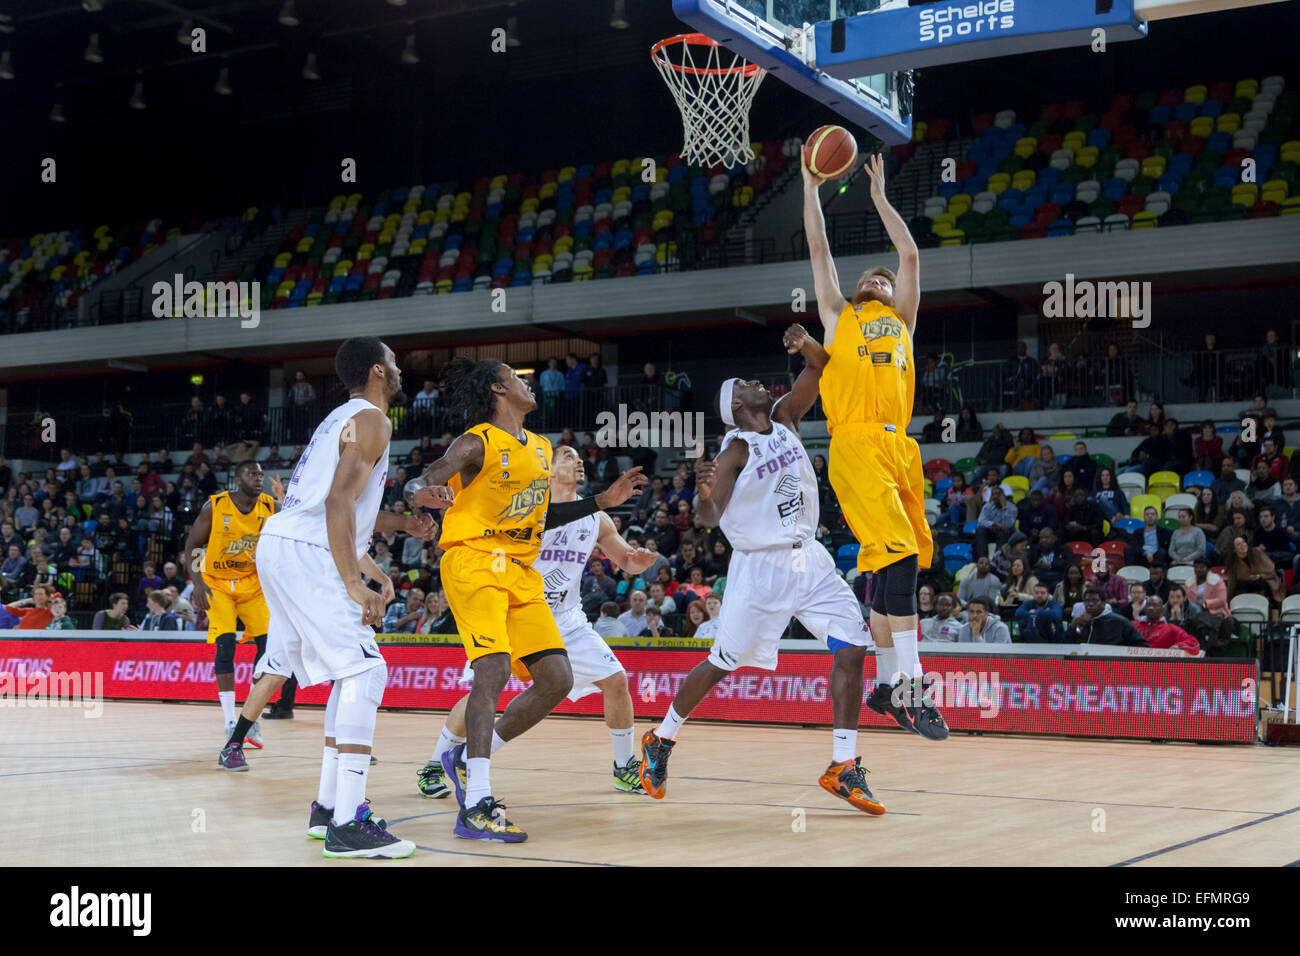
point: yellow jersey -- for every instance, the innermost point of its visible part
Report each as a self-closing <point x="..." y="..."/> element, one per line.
<point x="869" y="378"/>
<point x="232" y="545"/>
<point x="504" y="507"/>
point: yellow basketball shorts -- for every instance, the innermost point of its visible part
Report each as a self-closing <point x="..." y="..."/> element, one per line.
<point x="239" y="598"/>
<point x="876" y="473"/>
<point x="499" y="605"/>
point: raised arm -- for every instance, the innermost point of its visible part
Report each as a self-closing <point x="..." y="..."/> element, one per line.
<point x="357" y="458"/>
<point x="826" y="282"/>
<point x="630" y="559"/>
<point x="907" y="290"/>
<point x="715" y="480"/>
<point x="789" y="409"/>
<point x="463" y="457"/>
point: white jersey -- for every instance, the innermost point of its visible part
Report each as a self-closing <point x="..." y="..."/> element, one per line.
<point x="562" y="560"/>
<point x="302" y="518"/>
<point x="774" y="501"/>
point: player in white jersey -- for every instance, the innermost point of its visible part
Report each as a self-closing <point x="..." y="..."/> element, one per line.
<point x="762" y="492"/>
<point x="562" y="560"/>
<point x="310" y="560"/>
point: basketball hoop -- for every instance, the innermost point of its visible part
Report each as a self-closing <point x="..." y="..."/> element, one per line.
<point x="714" y="88"/>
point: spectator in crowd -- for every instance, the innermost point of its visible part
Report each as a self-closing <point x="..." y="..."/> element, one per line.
<point x="273" y="461"/>
<point x="219" y="419"/>
<point x="695" y="586"/>
<point x="1187" y="543"/>
<point x="9" y="535"/>
<point x="713" y="612"/>
<point x="1158" y="583"/>
<point x="1137" y="599"/>
<point x="34" y="611"/>
<point x="954" y="500"/>
<point x="1097" y="624"/>
<point x="1021" y="375"/>
<point x="149" y="582"/>
<point x="1181" y="455"/>
<point x="1083" y="519"/>
<point x="1112" y="585"/>
<point x="437" y="617"/>
<point x="114" y="617"/>
<point x="996" y="521"/>
<point x="403" y="616"/>
<point x="652" y="496"/>
<point x="1150" y="543"/>
<point x="1156" y="415"/>
<point x="26" y="514"/>
<point x="608" y="624"/>
<point x="968" y="425"/>
<point x="59" y="619"/>
<point x="1237" y="527"/>
<point x="1017" y="546"/>
<point x="659" y="597"/>
<point x="983" y="583"/>
<point x="422" y="403"/>
<point x="1127" y="422"/>
<point x="1287" y="506"/>
<point x="13" y="569"/>
<point x="1209" y="589"/>
<point x="1208" y="449"/>
<point x="593" y="375"/>
<point x="182" y="608"/>
<point x="984" y="493"/>
<point x="1273" y="538"/>
<point x="682" y="562"/>
<point x="159" y="616"/>
<point x="1070" y="591"/>
<point x="925" y="602"/>
<point x="1154" y="453"/>
<point x="573" y="375"/>
<point x="1208" y="514"/>
<point x="1045" y="472"/>
<point x="1021" y="456"/>
<point x="1250" y="570"/>
<point x="655" y="622"/>
<point x="932" y="432"/>
<point x="696" y="615"/>
<point x="1082" y="466"/>
<point x="1048" y="560"/>
<point x="1227" y="482"/>
<point x="1035" y="515"/>
<point x="302" y="397"/>
<point x="633" y="619"/>
<point x="983" y="626"/>
<point x="67" y="462"/>
<point x="1269" y="429"/>
<point x="946" y="624"/>
<point x="1271" y="366"/>
<point x="597" y="581"/>
<point x="1019" y="586"/>
<point x="1039" y="620"/>
<point x="1179" y="609"/>
<point x="1158" y="632"/>
<point x="993" y="453"/>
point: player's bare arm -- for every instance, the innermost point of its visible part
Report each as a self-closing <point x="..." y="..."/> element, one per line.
<point x="375" y="573"/>
<point x="195" y="544"/>
<point x="789" y="409"/>
<point x="907" y="290"/>
<point x="357" y="458"/>
<point x="463" y="457"/>
<point x="714" y="481"/>
<point x="277" y="492"/>
<point x="420" y="525"/>
<point x="826" y="281"/>
<point x="630" y="559"/>
<point x="559" y="513"/>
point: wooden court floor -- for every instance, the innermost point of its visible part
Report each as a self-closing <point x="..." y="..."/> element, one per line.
<point x="738" y="795"/>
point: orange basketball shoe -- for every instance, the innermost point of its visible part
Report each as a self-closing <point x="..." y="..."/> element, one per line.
<point x="848" y="782"/>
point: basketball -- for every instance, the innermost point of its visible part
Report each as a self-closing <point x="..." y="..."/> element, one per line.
<point x="832" y="152"/>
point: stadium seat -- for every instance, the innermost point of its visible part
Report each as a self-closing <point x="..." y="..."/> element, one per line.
<point x="1249" y="608"/>
<point x="1290" y="609"/>
<point x="1114" y="550"/>
<point x="970" y="527"/>
<point x="1081" y="549"/>
<point x="1177" y="501"/>
<point x="956" y="556"/>
<point x="1184" y="574"/>
<point x="1019" y="485"/>
<point x="1141" y="502"/>
<point x="1132" y="483"/>
<point x="1164" y="478"/>
<point x="1134" y="574"/>
<point x="847" y="556"/>
<point x="1129" y="525"/>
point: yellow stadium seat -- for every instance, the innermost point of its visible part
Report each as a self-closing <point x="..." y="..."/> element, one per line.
<point x="1202" y="126"/>
<point x="960" y="203"/>
<point x="1140" y="503"/>
<point x="1087" y="156"/>
<point x="1246" y="89"/>
<point x="1026" y="146"/>
<point x="954" y="237"/>
<point x="1073" y="140"/>
<point x="1245" y="194"/>
<point x="1145" y="220"/>
<point x="1195" y="94"/>
<point x="999" y="182"/>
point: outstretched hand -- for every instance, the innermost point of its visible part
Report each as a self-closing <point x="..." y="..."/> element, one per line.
<point x="875" y="167"/>
<point x="705" y="473"/>
<point x="623" y="488"/>
<point x="808" y="178"/>
<point x="794" y="338"/>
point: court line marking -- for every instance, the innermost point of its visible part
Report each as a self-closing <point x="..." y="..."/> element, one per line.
<point x="687" y="803"/>
<point x="502" y="856"/>
<point x="1208" y="836"/>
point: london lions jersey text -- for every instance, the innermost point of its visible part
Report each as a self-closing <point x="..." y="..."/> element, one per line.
<point x="774" y="501"/>
<point x="563" y="559"/>
<point x="303" y="515"/>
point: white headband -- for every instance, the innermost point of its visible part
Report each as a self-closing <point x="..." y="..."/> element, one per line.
<point x="724" y="402"/>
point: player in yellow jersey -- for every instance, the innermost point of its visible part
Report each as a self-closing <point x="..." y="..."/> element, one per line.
<point x="875" y="468"/>
<point x="224" y="539"/>
<point x="497" y="477"/>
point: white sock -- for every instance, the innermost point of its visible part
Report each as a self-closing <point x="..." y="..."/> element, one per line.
<point x="446" y="740"/>
<point x="908" y="660"/>
<point x="227" y="698"/>
<point x="844" y="745"/>
<point x="671" y="725"/>
<point x="622" y="740"/>
<point x="497" y="742"/>
<point x="351" y="791"/>
<point x="329" y="777"/>
<point x="886" y="664"/>
<point x="480" y="780"/>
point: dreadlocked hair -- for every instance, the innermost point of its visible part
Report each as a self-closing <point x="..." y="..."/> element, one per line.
<point x="468" y="385"/>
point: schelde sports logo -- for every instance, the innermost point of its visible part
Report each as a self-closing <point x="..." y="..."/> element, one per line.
<point x="970" y="21"/>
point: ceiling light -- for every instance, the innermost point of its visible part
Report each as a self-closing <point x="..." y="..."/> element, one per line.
<point x="136" y="102"/>
<point x="6" y="66"/>
<point x="309" y="71"/>
<point x="619" y="20"/>
<point x="185" y="35"/>
<point x="222" y="86"/>
<point x="408" y="53"/>
<point x="93" y="54"/>
<point x="288" y="18"/>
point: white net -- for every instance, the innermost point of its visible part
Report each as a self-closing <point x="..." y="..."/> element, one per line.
<point x="714" y="89"/>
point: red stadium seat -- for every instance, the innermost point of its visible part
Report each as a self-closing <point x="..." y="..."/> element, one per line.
<point x="1081" y="548"/>
<point x="937" y="468"/>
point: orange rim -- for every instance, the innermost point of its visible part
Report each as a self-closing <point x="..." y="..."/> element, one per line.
<point x="699" y="39"/>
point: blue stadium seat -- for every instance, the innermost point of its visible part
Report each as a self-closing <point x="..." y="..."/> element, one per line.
<point x="1201" y="479"/>
<point x="1062" y="227"/>
<point x="1129" y="525"/>
<point x="956" y="556"/>
<point x="970" y="527"/>
<point x="846" y="559"/>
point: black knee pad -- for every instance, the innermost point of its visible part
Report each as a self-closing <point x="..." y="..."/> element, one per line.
<point x="899" y="591"/>
<point x="260" y="641"/>
<point x="225" y="659"/>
